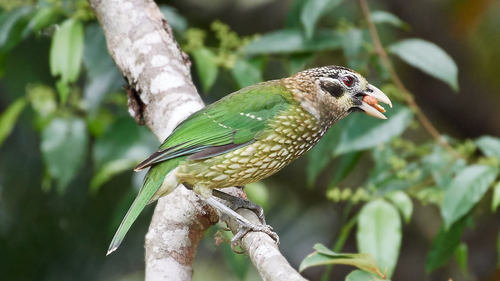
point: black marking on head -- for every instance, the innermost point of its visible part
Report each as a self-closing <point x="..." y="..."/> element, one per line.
<point x="332" y="88"/>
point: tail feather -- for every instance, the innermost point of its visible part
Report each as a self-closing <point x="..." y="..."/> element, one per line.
<point x="153" y="181"/>
<point x="133" y="212"/>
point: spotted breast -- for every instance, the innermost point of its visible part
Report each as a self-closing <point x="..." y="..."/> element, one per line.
<point x="290" y="134"/>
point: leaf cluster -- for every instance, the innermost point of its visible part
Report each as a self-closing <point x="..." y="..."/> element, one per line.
<point x="83" y="113"/>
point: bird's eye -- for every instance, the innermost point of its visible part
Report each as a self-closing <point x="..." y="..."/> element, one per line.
<point x="348" y="80"/>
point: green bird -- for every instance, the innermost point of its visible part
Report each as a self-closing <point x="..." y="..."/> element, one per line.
<point x="250" y="135"/>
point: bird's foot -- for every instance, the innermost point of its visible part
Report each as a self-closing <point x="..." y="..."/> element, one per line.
<point x="238" y="202"/>
<point x="247" y="226"/>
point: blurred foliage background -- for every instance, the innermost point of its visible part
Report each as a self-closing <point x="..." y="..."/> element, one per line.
<point x="423" y="209"/>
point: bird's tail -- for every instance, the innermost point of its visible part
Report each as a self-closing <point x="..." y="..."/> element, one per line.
<point x="157" y="179"/>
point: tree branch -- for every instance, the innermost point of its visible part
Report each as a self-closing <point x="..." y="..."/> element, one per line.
<point x="379" y="49"/>
<point x="162" y="94"/>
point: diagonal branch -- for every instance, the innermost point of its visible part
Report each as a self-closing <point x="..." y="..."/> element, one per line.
<point x="162" y="94"/>
<point x="379" y="49"/>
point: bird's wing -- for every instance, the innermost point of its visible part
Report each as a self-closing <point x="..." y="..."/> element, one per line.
<point x="225" y="125"/>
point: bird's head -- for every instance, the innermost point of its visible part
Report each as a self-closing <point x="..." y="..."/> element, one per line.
<point x="331" y="92"/>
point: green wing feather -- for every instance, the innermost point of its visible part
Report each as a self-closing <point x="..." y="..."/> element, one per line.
<point x="235" y="119"/>
<point x="227" y="124"/>
<point x="152" y="182"/>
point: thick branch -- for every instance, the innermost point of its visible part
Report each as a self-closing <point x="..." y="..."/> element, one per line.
<point x="146" y="53"/>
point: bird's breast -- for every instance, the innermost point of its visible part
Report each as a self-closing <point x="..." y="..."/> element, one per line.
<point x="288" y="135"/>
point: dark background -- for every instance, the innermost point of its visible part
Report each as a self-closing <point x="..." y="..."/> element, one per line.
<point x="48" y="236"/>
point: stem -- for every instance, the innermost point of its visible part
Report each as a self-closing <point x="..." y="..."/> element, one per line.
<point x="394" y="76"/>
<point x="344" y="232"/>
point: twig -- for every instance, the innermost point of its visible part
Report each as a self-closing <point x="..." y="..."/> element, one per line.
<point x="394" y="76"/>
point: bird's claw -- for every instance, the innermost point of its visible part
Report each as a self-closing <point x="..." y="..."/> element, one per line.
<point x="246" y="227"/>
<point x="224" y="218"/>
<point x="238" y="202"/>
<point x="257" y="209"/>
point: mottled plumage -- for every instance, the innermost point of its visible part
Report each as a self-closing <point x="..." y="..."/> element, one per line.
<point x="251" y="134"/>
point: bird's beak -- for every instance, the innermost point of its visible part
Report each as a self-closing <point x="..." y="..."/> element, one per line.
<point x="369" y="102"/>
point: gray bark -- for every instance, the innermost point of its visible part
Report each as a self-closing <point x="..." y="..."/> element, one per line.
<point x="162" y="94"/>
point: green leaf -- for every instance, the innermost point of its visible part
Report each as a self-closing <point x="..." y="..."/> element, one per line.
<point x="360" y="275"/>
<point x="120" y="148"/>
<point x="489" y="146"/>
<point x="324" y="256"/>
<point x="43" y="18"/>
<point x="66" y="51"/>
<point x="444" y="245"/>
<point x="442" y="166"/>
<point x="379" y="233"/>
<point x="103" y="76"/>
<point x="9" y="117"/>
<point x="64" y="146"/>
<point x="124" y="139"/>
<point x="467" y="188"/>
<point x="109" y="170"/>
<point x="299" y="61"/>
<point x="11" y="25"/>
<point x="3" y="60"/>
<point x="206" y="66"/>
<point x="246" y="73"/>
<point x="461" y="253"/>
<point x="293" y="41"/>
<point x="352" y="41"/>
<point x="293" y="16"/>
<point x="429" y="58"/>
<point x="312" y="11"/>
<point x="363" y="132"/>
<point x="403" y="202"/>
<point x="63" y="90"/>
<point x="386" y="17"/>
<point x="345" y="167"/>
<point x="496" y="197"/>
<point x="177" y="22"/>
